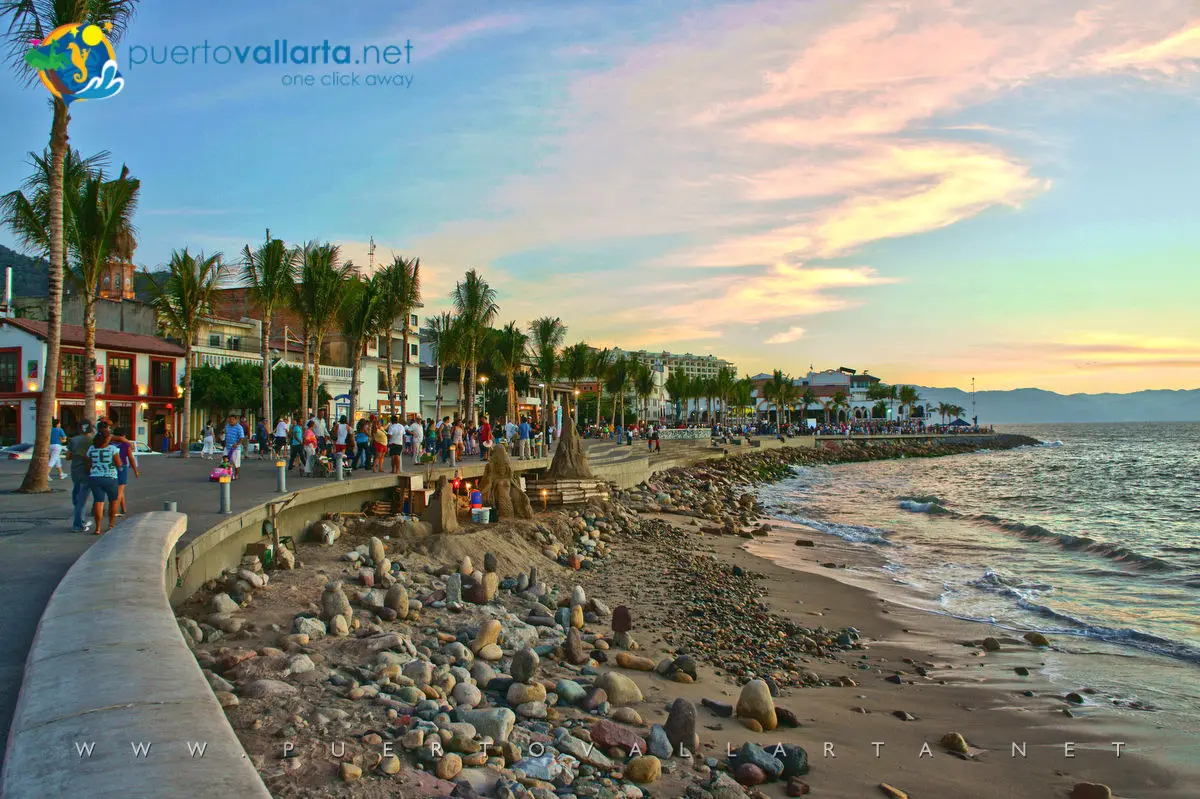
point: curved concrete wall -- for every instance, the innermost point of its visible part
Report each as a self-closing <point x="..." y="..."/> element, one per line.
<point x="108" y="675"/>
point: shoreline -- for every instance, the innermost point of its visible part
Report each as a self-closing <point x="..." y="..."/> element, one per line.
<point x="874" y="688"/>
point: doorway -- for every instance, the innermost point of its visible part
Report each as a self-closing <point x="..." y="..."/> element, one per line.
<point x="10" y="424"/>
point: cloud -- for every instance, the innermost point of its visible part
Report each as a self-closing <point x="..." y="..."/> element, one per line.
<point x="788" y="336"/>
<point x="434" y="42"/>
<point x="765" y="142"/>
<point x="1169" y="56"/>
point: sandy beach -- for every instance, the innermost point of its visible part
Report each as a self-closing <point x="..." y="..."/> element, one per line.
<point x="877" y="688"/>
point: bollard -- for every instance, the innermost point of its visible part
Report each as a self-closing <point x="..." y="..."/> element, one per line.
<point x="226" y="505"/>
<point x="337" y="466"/>
<point x="281" y="481"/>
<point x="169" y="506"/>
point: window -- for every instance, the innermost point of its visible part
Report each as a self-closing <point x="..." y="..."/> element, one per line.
<point x="122" y="419"/>
<point x="214" y="339"/>
<point x="120" y="375"/>
<point x="412" y="321"/>
<point x="162" y="379"/>
<point x="414" y="350"/>
<point x="10" y="371"/>
<point x="72" y="372"/>
<point x="382" y="379"/>
<point x="233" y="343"/>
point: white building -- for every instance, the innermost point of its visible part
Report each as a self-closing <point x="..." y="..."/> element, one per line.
<point x="137" y="382"/>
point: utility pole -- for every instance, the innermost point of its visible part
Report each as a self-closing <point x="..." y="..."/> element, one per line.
<point x="974" y="416"/>
<point x="371" y="261"/>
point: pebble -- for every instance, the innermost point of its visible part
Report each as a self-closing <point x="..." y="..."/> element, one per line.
<point x="991" y="644"/>
<point x="749" y="774"/>
<point x="644" y="769"/>
<point x="1091" y="790"/>
<point x="621" y="690"/>
<point x="755" y="703"/>
<point x="954" y="742"/>
<point x="349" y="772"/>
<point x="1037" y="639"/>
<point x="449" y="766"/>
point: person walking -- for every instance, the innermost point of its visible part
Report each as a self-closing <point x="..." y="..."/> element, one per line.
<point x="485" y="439"/>
<point x="321" y="430"/>
<point x="208" y="441"/>
<point x="281" y="434"/>
<point x="417" y="432"/>
<point x="526" y="433"/>
<point x="58" y="439"/>
<point x="379" y="440"/>
<point x="311" y="443"/>
<point x="296" y="445"/>
<point x="234" y="433"/>
<point x="395" y="432"/>
<point x="362" y="444"/>
<point x="105" y="460"/>
<point x="456" y="442"/>
<point x="81" y="466"/>
<point x="260" y="438"/>
<point x="127" y="450"/>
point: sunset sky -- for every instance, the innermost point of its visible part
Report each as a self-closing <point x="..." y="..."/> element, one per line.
<point x="930" y="190"/>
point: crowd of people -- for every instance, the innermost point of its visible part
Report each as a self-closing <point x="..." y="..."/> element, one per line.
<point x="375" y="443"/>
<point x="101" y="462"/>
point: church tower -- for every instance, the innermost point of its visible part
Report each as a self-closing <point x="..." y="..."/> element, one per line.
<point x="116" y="282"/>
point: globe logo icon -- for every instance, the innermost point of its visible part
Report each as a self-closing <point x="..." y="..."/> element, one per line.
<point x="77" y="62"/>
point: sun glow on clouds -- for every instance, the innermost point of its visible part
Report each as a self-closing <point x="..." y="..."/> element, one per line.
<point x="770" y="137"/>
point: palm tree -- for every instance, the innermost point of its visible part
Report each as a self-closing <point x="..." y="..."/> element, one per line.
<point x="723" y="385"/>
<point x="839" y="401"/>
<point x="808" y="399"/>
<point x="318" y="300"/>
<point x="270" y="277"/>
<point x="362" y="317"/>
<point x="677" y="386"/>
<point x="101" y="213"/>
<point x="576" y="363"/>
<point x="956" y="411"/>
<point x="181" y="298"/>
<point x="439" y="330"/>
<point x="402" y="294"/>
<point x="943" y="409"/>
<point x="616" y="381"/>
<point x="601" y="361"/>
<point x="741" y="397"/>
<point x="909" y="397"/>
<point x="643" y="386"/>
<point x="546" y="336"/>
<point x="511" y="343"/>
<point x="475" y="303"/>
<point x="891" y="394"/>
<point x="34" y="20"/>
<point x="777" y="391"/>
<point x="879" y="410"/>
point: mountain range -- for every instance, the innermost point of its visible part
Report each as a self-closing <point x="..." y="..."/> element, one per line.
<point x="1035" y="405"/>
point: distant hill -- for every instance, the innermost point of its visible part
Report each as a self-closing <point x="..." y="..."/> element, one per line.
<point x="1034" y="405"/>
<point x="31" y="275"/>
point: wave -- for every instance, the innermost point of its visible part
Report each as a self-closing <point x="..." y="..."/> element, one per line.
<point x="1079" y="543"/>
<point x="1013" y="586"/>
<point x="106" y="84"/>
<point x="1126" y="636"/>
<point x="857" y="533"/>
<point x="922" y="507"/>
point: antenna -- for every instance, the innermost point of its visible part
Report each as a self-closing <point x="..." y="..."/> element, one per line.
<point x="371" y="257"/>
<point x="974" y="416"/>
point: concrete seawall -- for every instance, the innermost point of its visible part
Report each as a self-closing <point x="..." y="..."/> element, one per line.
<point x="109" y="672"/>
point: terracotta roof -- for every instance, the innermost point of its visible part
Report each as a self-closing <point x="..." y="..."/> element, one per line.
<point x="72" y="336"/>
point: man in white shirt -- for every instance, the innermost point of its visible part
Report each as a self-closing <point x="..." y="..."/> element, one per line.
<point x="510" y="435"/>
<point x="322" y="431"/>
<point x="417" y="431"/>
<point x="395" y="432"/>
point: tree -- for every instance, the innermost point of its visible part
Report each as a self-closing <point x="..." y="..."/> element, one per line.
<point x="401" y="281"/>
<point x="475" y="304"/>
<point x="182" y="296"/>
<point x="270" y="276"/>
<point x="601" y="360"/>
<point x="317" y="301"/>
<point x="361" y="316"/>
<point x="777" y="391"/>
<point x="943" y="409"/>
<point x="741" y="396"/>
<point x="510" y="345"/>
<point x="101" y="212"/>
<point x="575" y="364"/>
<point x="723" y="385"/>
<point x="546" y="336"/>
<point x="34" y="20"/>
<point x="615" y="381"/>
<point x="879" y="410"/>
<point x="808" y="399"/>
<point x="438" y="334"/>
<point x="839" y="402"/>
<point x="643" y="385"/>
<point x="908" y="397"/>
<point x="678" y="385"/>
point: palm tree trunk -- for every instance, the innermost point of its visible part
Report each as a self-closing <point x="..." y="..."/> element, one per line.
<point x="438" y="399"/>
<point x="599" y="396"/>
<point x="267" y="409"/>
<point x="37" y="475"/>
<point x="510" y="412"/>
<point x="185" y="443"/>
<point x="391" y="388"/>
<point x="304" y="376"/>
<point x="403" y="371"/>
<point x="470" y="410"/>
<point x="316" y="383"/>
<point x="355" y="366"/>
<point x="462" y="381"/>
<point x="89" y="356"/>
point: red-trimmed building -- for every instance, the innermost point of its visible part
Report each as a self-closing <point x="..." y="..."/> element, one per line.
<point x="137" y="381"/>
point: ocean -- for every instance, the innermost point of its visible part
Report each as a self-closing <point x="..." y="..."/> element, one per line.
<point x="1092" y="538"/>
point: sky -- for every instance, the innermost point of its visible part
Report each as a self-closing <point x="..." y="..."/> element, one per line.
<point x="931" y="190"/>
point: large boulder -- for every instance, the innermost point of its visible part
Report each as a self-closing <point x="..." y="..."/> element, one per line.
<point x="442" y="513"/>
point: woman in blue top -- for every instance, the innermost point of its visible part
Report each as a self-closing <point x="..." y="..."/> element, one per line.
<point x="106" y="460"/>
